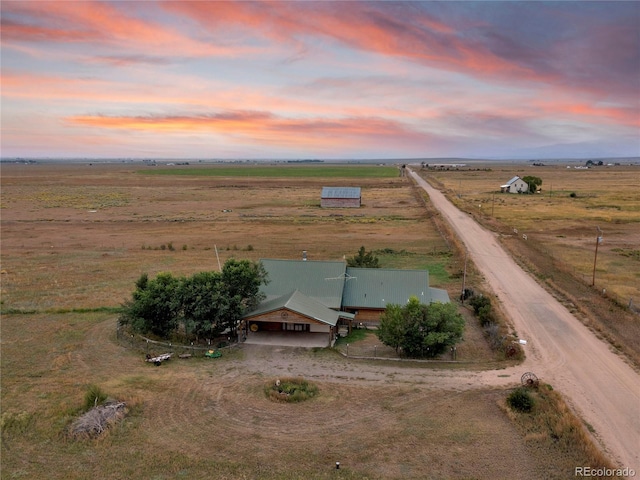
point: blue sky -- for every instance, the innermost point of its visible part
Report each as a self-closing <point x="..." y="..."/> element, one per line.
<point x="334" y="80"/>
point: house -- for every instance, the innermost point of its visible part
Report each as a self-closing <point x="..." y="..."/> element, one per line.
<point x="515" y="185"/>
<point x="298" y="313"/>
<point x="312" y="300"/>
<point x="340" y="197"/>
<point x="368" y="291"/>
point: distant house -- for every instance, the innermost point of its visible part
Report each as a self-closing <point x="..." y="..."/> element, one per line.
<point x="515" y="185"/>
<point x="317" y="298"/>
<point x="340" y="197"/>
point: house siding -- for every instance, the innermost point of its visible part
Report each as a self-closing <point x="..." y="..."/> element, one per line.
<point x="340" y="203"/>
<point x="515" y="185"/>
<point x="276" y="317"/>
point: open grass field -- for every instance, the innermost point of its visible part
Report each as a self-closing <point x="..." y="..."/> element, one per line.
<point x="281" y="171"/>
<point x="77" y="237"/>
<point x="71" y="231"/>
<point x="566" y="225"/>
<point x="560" y="225"/>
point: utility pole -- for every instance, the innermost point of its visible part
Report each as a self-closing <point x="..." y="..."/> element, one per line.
<point x="464" y="277"/>
<point x="595" y="258"/>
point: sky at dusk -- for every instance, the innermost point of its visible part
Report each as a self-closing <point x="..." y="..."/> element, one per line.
<point x="322" y="80"/>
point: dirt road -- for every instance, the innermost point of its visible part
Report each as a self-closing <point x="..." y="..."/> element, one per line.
<point x="560" y="350"/>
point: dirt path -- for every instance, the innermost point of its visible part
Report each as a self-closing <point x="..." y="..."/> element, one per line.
<point x="599" y="385"/>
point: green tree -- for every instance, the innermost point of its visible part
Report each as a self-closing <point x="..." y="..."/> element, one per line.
<point x="533" y="182"/>
<point x="391" y="328"/>
<point x="421" y="330"/>
<point x="154" y="306"/>
<point x="363" y="259"/>
<point x="206" y="304"/>
<point x="241" y="281"/>
<point x="200" y="297"/>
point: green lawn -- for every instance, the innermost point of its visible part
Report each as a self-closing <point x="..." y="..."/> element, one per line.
<point x="283" y="171"/>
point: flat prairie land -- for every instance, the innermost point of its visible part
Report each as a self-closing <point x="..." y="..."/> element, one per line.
<point x="81" y="235"/>
<point x="75" y="238"/>
<point x="564" y="217"/>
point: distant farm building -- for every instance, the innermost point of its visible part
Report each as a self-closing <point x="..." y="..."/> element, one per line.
<point x="315" y="300"/>
<point x="340" y="197"/>
<point x="515" y="185"/>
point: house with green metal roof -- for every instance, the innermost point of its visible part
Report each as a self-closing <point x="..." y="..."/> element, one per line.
<point x="368" y="291"/>
<point x="321" y="280"/>
<point x="314" y="298"/>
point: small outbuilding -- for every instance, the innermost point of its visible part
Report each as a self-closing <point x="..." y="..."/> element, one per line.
<point x="515" y="185"/>
<point x="341" y="197"/>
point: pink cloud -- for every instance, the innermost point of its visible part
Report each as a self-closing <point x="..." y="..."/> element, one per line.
<point x="264" y="128"/>
<point x="486" y="49"/>
<point x="97" y="23"/>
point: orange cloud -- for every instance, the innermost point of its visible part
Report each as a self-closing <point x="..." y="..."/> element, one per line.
<point x="263" y="128"/>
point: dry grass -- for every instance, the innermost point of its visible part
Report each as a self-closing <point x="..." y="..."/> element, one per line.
<point x="565" y="226"/>
<point x="74" y="257"/>
<point x="551" y="428"/>
<point x="191" y="417"/>
<point x="198" y="417"/>
<point x="561" y="233"/>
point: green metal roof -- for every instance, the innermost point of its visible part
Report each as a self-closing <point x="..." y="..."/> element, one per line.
<point x="312" y="287"/>
<point x="300" y="303"/>
<point x="321" y="280"/>
<point x="377" y="287"/>
<point x="439" y="295"/>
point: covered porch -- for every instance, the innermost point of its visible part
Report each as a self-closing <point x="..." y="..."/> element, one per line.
<point x="288" y="339"/>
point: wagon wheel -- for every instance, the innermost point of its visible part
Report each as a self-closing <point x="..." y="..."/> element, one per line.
<point x="529" y="379"/>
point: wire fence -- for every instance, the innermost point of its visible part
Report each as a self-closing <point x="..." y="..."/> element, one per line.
<point x="381" y="351"/>
<point x="584" y="277"/>
<point x="155" y="347"/>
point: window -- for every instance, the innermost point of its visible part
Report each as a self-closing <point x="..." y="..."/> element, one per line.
<point x="296" y="327"/>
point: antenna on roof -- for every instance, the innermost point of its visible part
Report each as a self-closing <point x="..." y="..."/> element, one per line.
<point x="346" y="276"/>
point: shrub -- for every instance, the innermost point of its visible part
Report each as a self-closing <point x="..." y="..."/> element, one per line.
<point x="290" y="390"/>
<point x="11" y="422"/>
<point x="521" y="400"/>
<point x="94" y="397"/>
<point x="573" y="195"/>
<point x="485" y="315"/>
<point x="479" y="301"/>
<point x="492" y="331"/>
